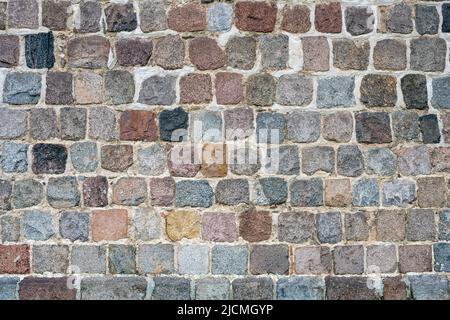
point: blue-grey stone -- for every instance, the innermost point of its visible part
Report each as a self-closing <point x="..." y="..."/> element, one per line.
<point x="429" y="287"/>
<point x="206" y="126"/>
<point x="444" y="224"/>
<point x="427" y="19"/>
<point x="294" y="90"/>
<point x="193" y="193"/>
<point x="307" y="193"/>
<point x="336" y="92"/>
<point x="441" y="257"/>
<point x="10" y="228"/>
<point x="37" y="225"/>
<point x="271" y="191"/>
<point x="84" y="156"/>
<point x="152" y="160"/>
<point x="88" y="259"/>
<point x="14" y="157"/>
<point x="39" y="50"/>
<point x="74" y="226"/>
<point x="158" y="90"/>
<point x="270" y="127"/>
<point x="171" y="288"/>
<point x="283" y="160"/>
<point x="22" y="88"/>
<point x="193" y="259"/>
<point x="122" y="259"/>
<point x="350" y="161"/>
<point x="441" y="93"/>
<point x="212" y="289"/>
<point x="253" y="288"/>
<point x="113" y="288"/>
<point x="398" y="192"/>
<point x="156" y="258"/>
<point x="274" y="50"/>
<point x="303" y="126"/>
<point x="229" y="259"/>
<point x="8" y="288"/>
<point x="62" y="192"/>
<point x="220" y="17"/>
<point x="301" y="288"/>
<point x="381" y="161"/>
<point x="329" y="227"/>
<point x="13" y="123"/>
<point x="27" y="193"/>
<point x="366" y="193"/>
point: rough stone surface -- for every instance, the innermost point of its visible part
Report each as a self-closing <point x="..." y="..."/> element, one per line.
<point x="22" y="88"/>
<point x="241" y="52"/>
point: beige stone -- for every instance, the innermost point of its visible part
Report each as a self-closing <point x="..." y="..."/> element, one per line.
<point x="183" y="224"/>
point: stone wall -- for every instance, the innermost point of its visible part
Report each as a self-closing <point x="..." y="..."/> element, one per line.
<point x="224" y="149"/>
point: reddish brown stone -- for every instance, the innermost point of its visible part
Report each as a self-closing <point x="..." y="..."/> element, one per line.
<point x="162" y="191"/>
<point x="440" y="159"/>
<point x="14" y="259"/>
<point x="129" y="191"/>
<point x="95" y="192"/>
<point x="117" y="158"/>
<point x="229" y="89"/>
<point x="206" y="54"/>
<point x="214" y="160"/>
<point x="181" y="161"/>
<point x="394" y="289"/>
<point x="255" y="16"/>
<point x="296" y="19"/>
<point x="138" y="125"/>
<point x="33" y="288"/>
<point x="186" y="18"/>
<point x="133" y="52"/>
<point x="196" y="88"/>
<point x="88" y="52"/>
<point x="255" y="225"/>
<point x="328" y="17"/>
<point x="414" y="258"/>
<point x="109" y="224"/>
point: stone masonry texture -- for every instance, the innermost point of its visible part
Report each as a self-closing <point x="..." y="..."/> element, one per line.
<point x="224" y="149"/>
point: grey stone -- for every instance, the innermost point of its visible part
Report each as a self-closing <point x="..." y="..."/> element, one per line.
<point x="113" y="288"/>
<point x="220" y="17"/>
<point x="232" y="191"/>
<point x="415" y="92"/>
<point x="173" y="124"/>
<point x="229" y="259"/>
<point x="88" y="259"/>
<point x="73" y="123"/>
<point x="420" y="225"/>
<point x="444" y="224"/>
<point x="27" y="193"/>
<point x="5" y="194"/>
<point x="84" y="156"/>
<point x="23" y="14"/>
<point x="206" y="126"/>
<point x="366" y="193"/>
<point x="337" y="126"/>
<point x="405" y="125"/>
<point x="358" y="20"/>
<point x="296" y="227"/>
<point x="400" y="19"/>
<point x="152" y="14"/>
<point x="271" y="191"/>
<point x="428" y="54"/>
<point x="152" y="160"/>
<point x="3" y="6"/>
<point x="10" y="228"/>
<point x="50" y="258"/>
<point x="301" y="288"/>
<point x="429" y="127"/>
<point x="171" y="288"/>
<point x="441" y="94"/>
<point x="315" y="159"/>
<point x="43" y="124"/>
<point x="22" y="88"/>
<point x="307" y="193"/>
<point x="37" y="225"/>
<point x="102" y="124"/>
<point x="195" y="193"/>
<point x="414" y="161"/>
<point x="398" y="192"/>
<point x="283" y="160"/>
<point x="13" y="123"/>
<point x="357" y="226"/>
<point x="272" y="259"/>
<point x="156" y="258"/>
<point x="260" y="89"/>
<point x="8" y="288"/>
<point x="381" y="161"/>
<point x="313" y="260"/>
<point x="329" y="227"/>
<point x="14" y="157"/>
<point x="212" y="289"/>
<point x="120" y="17"/>
<point x="122" y="259"/>
<point x="382" y="258"/>
<point x="441" y="257"/>
<point x="350" y="161"/>
<point x="169" y="52"/>
<point x="63" y="192"/>
<point x="270" y="127"/>
<point x="74" y="226"/>
<point x="253" y="288"/>
<point x="90" y="15"/>
<point x="274" y="51"/>
<point x="348" y="259"/>
<point x="294" y="90"/>
<point x="119" y="86"/>
<point x="241" y="52"/>
<point x="158" y="90"/>
<point x="336" y="92"/>
<point x="193" y="259"/>
<point x="427" y="19"/>
<point x="303" y="126"/>
<point x="146" y="224"/>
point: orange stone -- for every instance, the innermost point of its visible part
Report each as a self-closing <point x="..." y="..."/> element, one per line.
<point x="214" y="160"/>
<point x="138" y="125"/>
<point x="338" y="192"/>
<point x="14" y="259"/>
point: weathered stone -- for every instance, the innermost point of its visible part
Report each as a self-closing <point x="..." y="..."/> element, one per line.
<point x="109" y="224"/>
<point x="270" y="191"/>
<point x="5" y="194"/>
<point x="27" y="193"/>
<point x="379" y="90"/>
<point x="193" y="193"/>
<point x="359" y="20"/>
<point x="89" y="259"/>
<point x="357" y="226"/>
<point x="229" y="89"/>
<point x="74" y="226"/>
<point x="241" y="52"/>
<point x="398" y="193"/>
<point x="271" y="259"/>
<point x="390" y="54"/>
<point x="43" y="124"/>
<point x="13" y="123"/>
<point x="320" y="158"/>
<point x="382" y="258"/>
<point x="260" y="89"/>
<point x="414" y="258"/>
<point x="50" y="258"/>
<point x="173" y="124"/>
<point x="232" y="191"/>
<point x="152" y="14"/>
<point x="420" y="225"/>
<point x="328" y="17"/>
<point x="120" y="17"/>
<point x="119" y="87"/>
<point x="22" y="88"/>
<point x="270" y="127"/>
<point x="399" y="19"/>
<point x="405" y="125"/>
<point x="428" y="54"/>
<point x="138" y="125"/>
<point x="350" y="161"/>
<point x="414" y="161"/>
<point x="89" y="88"/>
<point x="95" y="192"/>
<point x="337" y="126"/>
<point x="429" y="127"/>
<point x="115" y="288"/>
<point x="313" y="260"/>
<point x="274" y="51"/>
<point x="23" y="14"/>
<point x="329" y="227"/>
<point x="336" y="92"/>
<point x="152" y="160"/>
<point x="193" y="259"/>
<point x="390" y="225"/>
<point x="171" y="288"/>
<point x="116" y="158"/>
<point x="55" y="14"/>
<point x="156" y="258"/>
<point x="441" y="95"/>
<point x="212" y="289"/>
<point x="303" y="126"/>
<point x="129" y="191"/>
<point x="219" y="227"/>
<point x="252" y="288"/>
<point x="15" y="259"/>
<point x="220" y="17"/>
<point x="90" y="16"/>
<point x="9" y="51"/>
<point x="102" y="124"/>
<point x="351" y="55"/>
<point x="147" y="224"/>
<point x="43" y="288"/>
<point x="257" y="17"/>
<point x="162" y="191"/>
<point x="431" y="192"/>
<point x="429" y="287"/>
<point x="122" y="259"/>
<point x="338" y="192"/>
<point x="427" y="19"/>
<point x="37" y="225"/>
<point x="381" y="161"/>
<point x="348" y="259"/>
<point x="62" y="192"/>
<point x="14" y="157"/>
<point x="255" y="225"/>
<point x="195" y="88"/>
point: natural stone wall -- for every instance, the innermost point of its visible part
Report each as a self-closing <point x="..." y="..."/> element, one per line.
<point x="224" y="149"/>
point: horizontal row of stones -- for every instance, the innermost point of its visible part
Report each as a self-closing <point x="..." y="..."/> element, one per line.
<point x="199" y="259"/>
<point x="427" y="54"/>
<point x="254" y="16"/>
<point x="411" y="286"/>
<point x="64" y="192"/>
<point x="237" y="128"/>
<point x="251" y="225"/>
